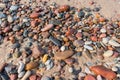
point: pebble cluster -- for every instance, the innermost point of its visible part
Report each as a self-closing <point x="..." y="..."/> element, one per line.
<point x="45" y="36"/>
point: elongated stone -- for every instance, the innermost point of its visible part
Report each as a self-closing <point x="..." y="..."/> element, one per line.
<point x="114" y="43"/>
<point x="26" y="76"/>
<point x="55" y="41"/>
<point x="21" y="66"/>
<point x="47" y="27"/>
<point x="31" y="65"/>
<point x="63" y="55"/>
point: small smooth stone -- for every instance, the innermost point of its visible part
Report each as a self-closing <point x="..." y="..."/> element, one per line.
<point x="55" y="41"/>
<point x="108" y="53"/>
<point x="9" y="18"/>
<point x="70" y="69"/>
<point x="21" y="74"/>
<point x="69" y="61"/>
<point x="51" y="64"/>
<point x="25" y="20"/>
<point x="99" y="77"/>
<point x="21" y="67"/>
<point x="2" y="5"/>
<point x="88" y="42"/>
<point x="62" y="48"/>
<point x="2" y="66"/>
<point x="78" y="43"/>
<point x="81" y="14"/>
<point x="16" y="28"/>
<point x="31" y="65"/>
<point x="2" y="15"/>
<point x="27" y="75"/>
<point x="87" y="70"/>
<point x="105" y="40"/>
<point x="114" y="68"/>
<point x="114" y="43"/>
<point x="4" y="77"/>
<point x="63" y="55"/>
<point x="89" y="77"/>
<point x="13" y="76"/>
<point x="34" y="15"/>
<point x="81" y="74"/>
<point x="45" y="78"/>
<point x="33" y="77"/>
<point x="103" y="30"/>
<point x="13" y="8"/>
<point x="88" y="47"/>
<point x="45" y="57"/>
<point x="63" y="8"/>
<point x="117" y="49"/>
<point x="47" y="27"/>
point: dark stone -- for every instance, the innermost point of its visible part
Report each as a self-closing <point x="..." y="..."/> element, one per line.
<point x="15" y="45"/>
<point x="81" y="14"/>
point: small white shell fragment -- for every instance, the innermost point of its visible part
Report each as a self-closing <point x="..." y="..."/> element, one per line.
<point x="70" y="69"/>
<point x="108" y="53"/>
<point x="88" y="47"/>
<point x="99" y="77"/>
<point x="21" y="67"/>
<point x="114" y="43"/>
<point x="114" y="68"/>
<point x="27" y="74"/>
<point x="103" y="30"/>
<point x="62" y="48"/>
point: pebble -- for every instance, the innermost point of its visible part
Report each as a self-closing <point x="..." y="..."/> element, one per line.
<point x="99" y="77"/>
<point x="13" y="76"/>
<point x="15" y="45"/>
<point x="63" y="55"/>
<point x="62" y="48"/>
<point x="2" y="66"/>
<point x="108" y="53"/>
<point x="34" y="15"/>
<point x="33" y="77"/>
<point x="31" y="65"/>
<point x="78" y="43"/>
<point x="81" y="14"/>
<point x="16" y="28"/>
<point x="63" y="8"/>
<point x="21" y="67"/>
<point x="27" y="75"/>
<point x="13" y="8"/>
<point x="47" y="27"/>
<point x="70" y="69"/>
<point x="87" y="70"/>
<point x="55" y="41"/>
<point x="114" y="68"/>
<point x="2" y="15"/>
<point x="103" y="30"/>
<point x="45" y="57"/>
<point x="89" y="77"/>
<point x="88" y="47"/>
<point x="105" y="40"/>
<point x="37" y="51"/>
<point x="2" y="5"/>
<point x="45" y="78"/>
<point x="21" y="74"/>
<point x="114" y="43"/>
<point x="9" y="19"/>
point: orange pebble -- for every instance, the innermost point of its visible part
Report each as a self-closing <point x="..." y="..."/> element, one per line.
<point x="110" y="48"/>
<point x="103" y="71"/>
<point x="93" y="38"/>
<point x="89" y="77"/>
<point x="101" y="19"/>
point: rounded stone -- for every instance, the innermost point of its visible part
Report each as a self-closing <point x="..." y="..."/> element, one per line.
<point x="108" y="53"/>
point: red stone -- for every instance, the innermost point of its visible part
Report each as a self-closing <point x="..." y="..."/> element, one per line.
<point x="34" y="15"/>
<point x="89" y="77"/>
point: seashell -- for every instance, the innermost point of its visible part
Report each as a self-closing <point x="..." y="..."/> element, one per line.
<point x="108" y="53"/>
<point x="21" y="74"/>
<point x="31" y="65"/>
<point x="63" y="55"/>
<point x="99" y="77"/>
<point x="45" y="57"/>
<point x="88" y="47"/>
<point x="114" y="43"/>
<point x="47" y="27"/>
<point x="21" y="67"/>
<point x="89" y="77"/>
<point x="27" y="75"/>
<point x="104" y="72"/>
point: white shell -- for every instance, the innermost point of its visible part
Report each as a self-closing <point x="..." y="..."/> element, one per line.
<point x="114" y="43"/>
<point x="62" y="48"/>
<point x="27" y="74"/>
<point x="108" y="53"/>
<point x="21" y="74"/>
<point x="88" y="47"/>
<point x="21" y="67"/>
<point x="99" y="77"/>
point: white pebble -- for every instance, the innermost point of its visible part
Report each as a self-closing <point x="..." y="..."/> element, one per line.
<point x="21" y="67"/>
<point x="70" y="69"/>
<point x="87" y="70"/>
<point x="62" y="48"/>
<point x="105" y="40"/>
<point x="108" y="53"/>
<point x="27" y="75"/>
<point x="88" y="47"/>
<point x="99" y="77"/>
<point x="114" y="43"/>
<point x="114" y="68"/>
<point x="103" y="30"/>
<point x="21" y="74"/>
<point x="88" y="42"/>
<point x="9" y="18"/>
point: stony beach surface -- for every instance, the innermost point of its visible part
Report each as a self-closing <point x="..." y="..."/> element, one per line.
<point x="43" y="40"/>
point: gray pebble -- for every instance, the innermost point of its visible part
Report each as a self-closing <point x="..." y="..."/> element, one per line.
<point x="13" y="8"/>
<point x="15" y="45"/>
<point x="2" y="15"/>
<point x="16" y="28"/>
<point x="45" y="78"/>
<point x="21" y="74"/>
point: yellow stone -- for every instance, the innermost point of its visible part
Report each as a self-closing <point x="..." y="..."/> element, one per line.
<point x="45" y="57"/>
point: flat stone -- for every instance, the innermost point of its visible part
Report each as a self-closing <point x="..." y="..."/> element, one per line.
<point x="13" y="8"/>
<point x="108" y="53"/>
<point x="63" y="55"/>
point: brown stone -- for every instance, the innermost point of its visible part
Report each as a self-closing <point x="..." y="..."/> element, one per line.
<point x="34" y="15"/>
<point x="63" y="55"/>
<point x="69" y="61"/>
<point x="33" y="77"/>
<point x="37" y="51"/>
<point x="63" y="8"/>
<point x="89" y="77"/>
<point x="31" y="65"/>
<point x="47" y="27"/>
